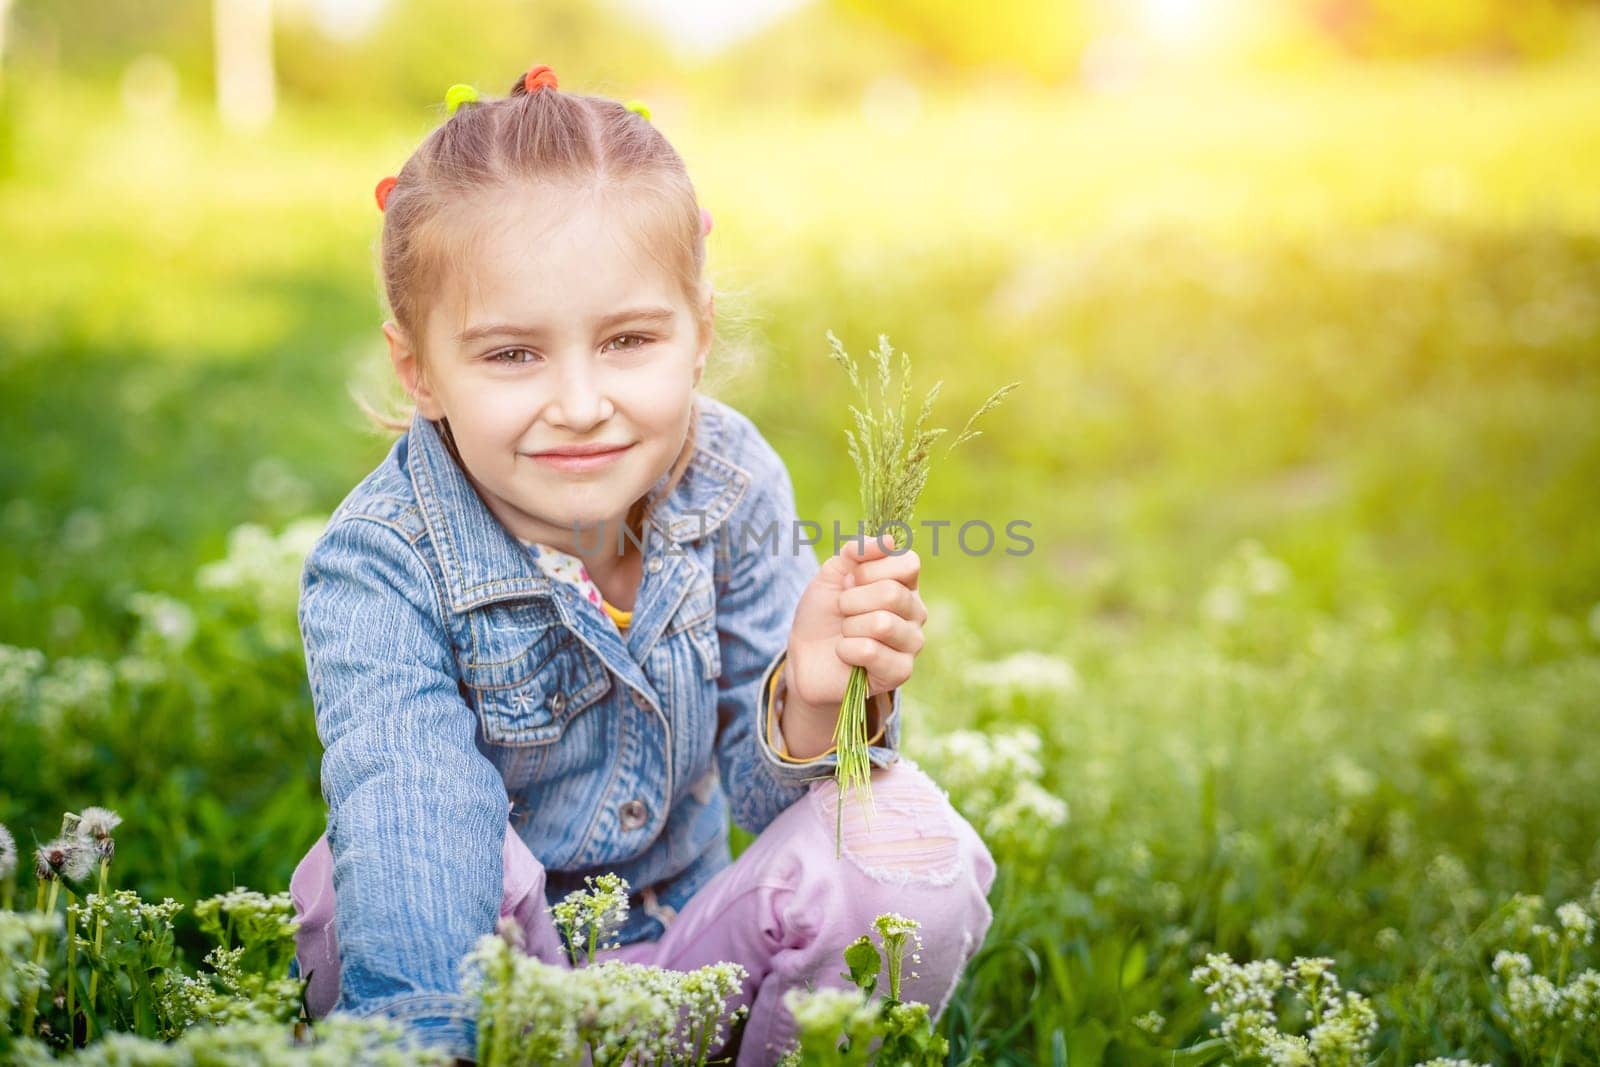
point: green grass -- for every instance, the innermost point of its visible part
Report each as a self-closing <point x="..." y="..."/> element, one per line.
<point x="1355" y="320"/>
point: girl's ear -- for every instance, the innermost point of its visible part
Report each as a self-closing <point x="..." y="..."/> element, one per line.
<point x="409" y="369"/>
<point x="707" y="332"/>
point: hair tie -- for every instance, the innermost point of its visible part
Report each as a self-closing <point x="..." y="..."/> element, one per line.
<point x="385" y="187"/>
<point x="457" y="95"/>
<point x="705" y="222"/>
<point x="540" y="77"/>
<point x="638" y="108"/>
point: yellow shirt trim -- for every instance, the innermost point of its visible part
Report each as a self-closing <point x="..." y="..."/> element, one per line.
<point x="782" y="749"/>
<point x="623" y="619"/>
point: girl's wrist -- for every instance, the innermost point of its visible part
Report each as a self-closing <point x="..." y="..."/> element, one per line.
<point x="808" y="728"/>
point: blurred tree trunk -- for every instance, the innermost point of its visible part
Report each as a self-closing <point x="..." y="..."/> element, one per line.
<point x="246" y="84"/>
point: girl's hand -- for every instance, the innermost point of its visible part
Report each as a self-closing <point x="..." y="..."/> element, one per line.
<point x="862" y="609"/>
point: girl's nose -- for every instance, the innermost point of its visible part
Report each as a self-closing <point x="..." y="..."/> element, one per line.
<point x="581" y="402"/>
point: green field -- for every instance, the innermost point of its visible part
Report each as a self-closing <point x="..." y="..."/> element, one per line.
<point x="1308" y="436"/>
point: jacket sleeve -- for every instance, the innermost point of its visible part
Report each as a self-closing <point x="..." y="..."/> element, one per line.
<point x="416" y="814"/>
<point x="755" y="612"/>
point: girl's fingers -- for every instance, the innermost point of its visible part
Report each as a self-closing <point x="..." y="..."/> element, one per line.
<point x="884" y="665"/>
<point x="887" y="628"/>
<point x="883" y="596"/>
<point x="906" y="569"/>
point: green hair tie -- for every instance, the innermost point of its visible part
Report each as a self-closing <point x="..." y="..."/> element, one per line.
<point x="638" y="107"/>
<point x="457" y="95"/>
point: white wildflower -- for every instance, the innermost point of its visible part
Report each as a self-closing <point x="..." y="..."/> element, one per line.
<point x="272" y="479"/>
<point x="19" y="931"/>
<point x="587" y="918"/>
<point x="828" y="1010"/>
<point x="1287" y="1050"/>
<point x="1248" y="574"/>
<point x="140" y="672"/>
<point x="1026" y="674"/>
<point x="1509" y="965"/>
<point x="1577" y="924"/>
<point x="1031" y="808"/>
<point x="83" y="530"/>
<point x="1523" y="912"/>
<point x="1348" y="1026"/>
<point x="993" y="779"/>
<point x="19" y="668"/>
<point x="8" y="853"/>
<point x="1151" y="1022"/>
<point x="263" y="566"/>
<point x="1244" y="996"/>
<point x="1349" y="780"/>
<point x="167" y="622"/>
<point x="74" y="683"/>
<point x="1264" y="575"/>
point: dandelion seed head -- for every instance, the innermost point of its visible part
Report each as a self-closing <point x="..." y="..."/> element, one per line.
<point x="8" y="853"/>
<point x="65" y="857"/>
<point x="96" y="824"/>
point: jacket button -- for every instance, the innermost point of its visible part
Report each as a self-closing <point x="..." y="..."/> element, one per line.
<point x="654" y="565"/>
<point x="633" y="814"/>
<point x="557" y="702"/>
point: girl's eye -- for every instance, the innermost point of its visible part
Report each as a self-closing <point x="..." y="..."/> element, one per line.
<point x="636" y="337"/>
<point x="514" y="355"/>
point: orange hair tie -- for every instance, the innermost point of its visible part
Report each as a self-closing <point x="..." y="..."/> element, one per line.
<point x="540" y="77"/>
<point x="385" y="187"/>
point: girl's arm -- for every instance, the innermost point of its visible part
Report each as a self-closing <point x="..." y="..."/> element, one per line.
<point x="755" y="612"/>
<point x="416" y="814"/>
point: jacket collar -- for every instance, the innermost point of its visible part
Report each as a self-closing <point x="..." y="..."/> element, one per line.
<point x="482" y="562"/>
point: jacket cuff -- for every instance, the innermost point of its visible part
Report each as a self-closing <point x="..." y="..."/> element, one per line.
<point x="446" y="1021"/>
<point x="882" y="747"/>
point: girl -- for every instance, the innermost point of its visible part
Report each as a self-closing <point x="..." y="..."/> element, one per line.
<point x="566" y="626"/>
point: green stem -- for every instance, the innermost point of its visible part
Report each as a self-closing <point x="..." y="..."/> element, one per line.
<point x="30" y="1007"/>
<point x="852" y="768"/>
<point x="72" y="968"/>
<point x="502" y="1015"/>
<point x="99" y="931"/>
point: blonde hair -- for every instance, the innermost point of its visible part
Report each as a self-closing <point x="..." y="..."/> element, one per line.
<point x="552" y="139"/>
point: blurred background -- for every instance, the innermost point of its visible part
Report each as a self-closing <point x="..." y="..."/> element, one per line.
<point x="1304" y="296"/>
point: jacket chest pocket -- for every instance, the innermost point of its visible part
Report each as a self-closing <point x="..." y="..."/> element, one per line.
<point x="696" y="619"/>
<point x="529" y="675"/>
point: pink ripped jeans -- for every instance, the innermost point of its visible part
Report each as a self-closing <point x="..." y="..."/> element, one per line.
<point x="784" y="910"/>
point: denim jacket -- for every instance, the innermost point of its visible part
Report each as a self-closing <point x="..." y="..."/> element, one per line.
<point x="456" y="686"/>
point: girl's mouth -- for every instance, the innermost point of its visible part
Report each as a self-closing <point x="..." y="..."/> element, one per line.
<point x="579" y="464"/>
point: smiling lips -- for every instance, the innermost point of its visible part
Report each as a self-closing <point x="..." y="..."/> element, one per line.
<point x="582" y="457"/>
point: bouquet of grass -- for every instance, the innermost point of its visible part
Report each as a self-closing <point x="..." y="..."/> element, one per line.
<point x="892" y="460"/>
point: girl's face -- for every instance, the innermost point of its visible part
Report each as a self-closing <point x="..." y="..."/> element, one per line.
<point x="560" y="332"/>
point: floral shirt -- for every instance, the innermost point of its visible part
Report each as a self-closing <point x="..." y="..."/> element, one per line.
<point x="565" y="567"/>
